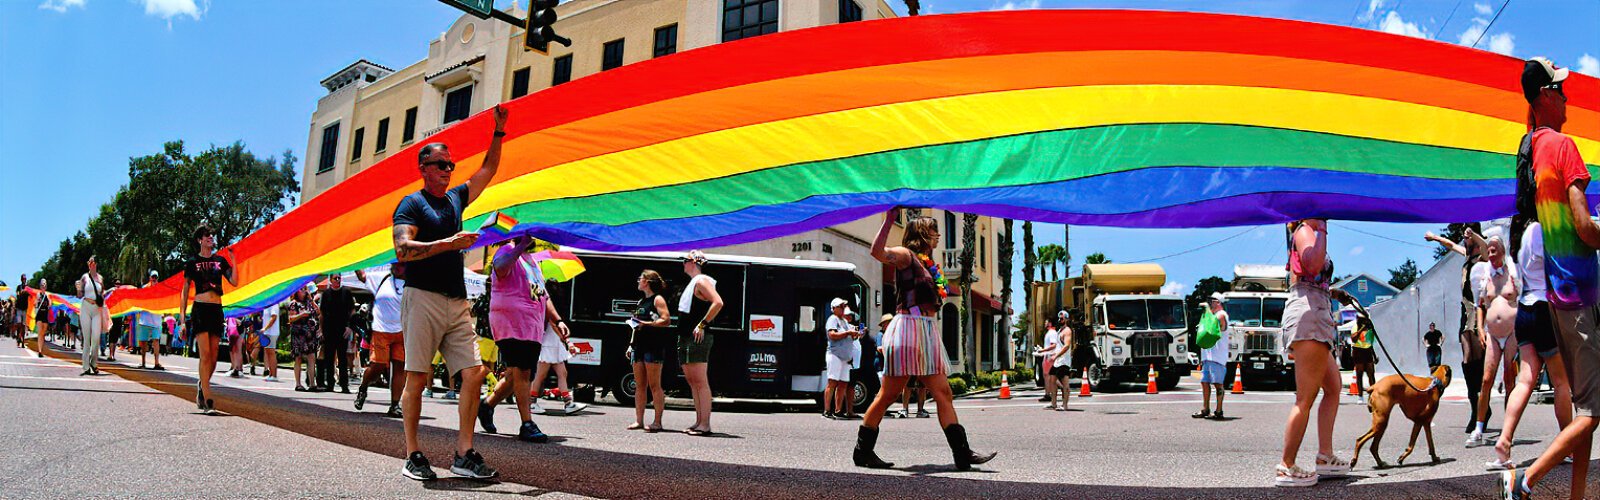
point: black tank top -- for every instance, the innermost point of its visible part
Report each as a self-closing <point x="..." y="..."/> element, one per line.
<point x="697" y="312"/>
<point x="649" y="337"/>
<point x="915" y="286"/>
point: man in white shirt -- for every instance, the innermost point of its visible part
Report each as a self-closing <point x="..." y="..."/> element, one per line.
<point x="1214" y="363"/>
<point x="1045" y="353"/>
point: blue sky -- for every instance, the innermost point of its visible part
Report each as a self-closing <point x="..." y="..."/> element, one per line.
<point x="90" y="83"/>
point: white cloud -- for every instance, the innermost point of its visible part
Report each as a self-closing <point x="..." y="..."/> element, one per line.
<point x="1025" y="4"/>
<point x="1357" y="251"/>
<point x="1372" y="10"/>
<point x="1393" y="23"/>
<point x="1173" y="288"/>
<point x="1588" y="65"/>
<point x="1483" y="9"/>
<point x="61" y="5"/>
<point x="168" y="9"/>
<point x="1504" y="43"/>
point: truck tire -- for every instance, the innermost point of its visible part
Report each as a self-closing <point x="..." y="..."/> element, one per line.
<point x="624" y="388"/>
<point x="1168" y="381"/>
<point x="1099" y="376"/>
<point x="866" y="390"/>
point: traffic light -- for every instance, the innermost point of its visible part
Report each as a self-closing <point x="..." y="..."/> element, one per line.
<point x="541" y="27"/>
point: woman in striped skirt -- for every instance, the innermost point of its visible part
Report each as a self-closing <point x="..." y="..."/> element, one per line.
<point x="912" y="346"/>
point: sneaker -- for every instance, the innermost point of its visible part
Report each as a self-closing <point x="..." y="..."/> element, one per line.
<point x="160" y="368"/>
<point x="1218" y="416"/>
<point x="427" y="393"/>
<point x="417" y="468"/>
<point x="1476" y="439"/>
<point x="535" y="409"/>
<point x="923" y="414"/>
<point x="199" y="399"/>
<point x="394" y="412"/>
<point x="531" y="433"/>
<point x="270" y="379"/>
<point x="234" y="374"/>
<point x="572" y="407"/>
<point x="361" y="398"/>
<point x="451" y="395"/>
<point x="486" y="417"/>
<point x="472" y="466"/>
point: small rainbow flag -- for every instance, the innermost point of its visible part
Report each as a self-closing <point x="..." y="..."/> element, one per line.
<point x="498" y="224"/>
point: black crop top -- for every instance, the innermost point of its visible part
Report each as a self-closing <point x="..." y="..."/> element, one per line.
<point x="206" y="273"/>
<point x="915" y="286"/>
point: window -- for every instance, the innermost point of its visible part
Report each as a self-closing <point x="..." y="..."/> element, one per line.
<point x="355" y="146"/>
<point x="383" y="136"/>
<point x="666" y="40"/>
<point x="611" y="55"/>
<point x="330" y="146"/>
<point x="849" y="11"/>
<point x="458" y="104"/>
<point x="519" y="83"/>
<point x="748" y="18"/>
<point x="410" y="131"/>
<point x="561" y="72"/>
<point x="949" y="229"/>
<point x="983" y="252"/>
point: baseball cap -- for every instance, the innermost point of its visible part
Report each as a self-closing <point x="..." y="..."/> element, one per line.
<point x="1217" y="297"/>
<point x="1061" y="314"/>
<point x="836" y="303"/>
<point x="1539" y="73"/>
<point x="849" y="312"/>
<point x="695" y="256"/>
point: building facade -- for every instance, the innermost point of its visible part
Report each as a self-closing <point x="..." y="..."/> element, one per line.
<point x="372" y="110"/>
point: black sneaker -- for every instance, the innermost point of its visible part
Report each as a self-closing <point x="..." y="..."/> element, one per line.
<point x="199" y="399"/>
<point x="486" y="417"/>
<point x="361" y="398"/>
<point x="394" y="412"/>
<point x="472" y="466"/>
<point x="417" y="468"/>
<point x="531" y="433"/>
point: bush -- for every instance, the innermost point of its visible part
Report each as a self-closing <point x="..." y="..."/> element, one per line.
<point x="1022" y="374"/>
<point x="958" y="386"/>
<point x="986" y="380"/>
<point x="966" y="378"/>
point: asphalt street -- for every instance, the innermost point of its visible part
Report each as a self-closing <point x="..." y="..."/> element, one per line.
<point x="117" y="435"/>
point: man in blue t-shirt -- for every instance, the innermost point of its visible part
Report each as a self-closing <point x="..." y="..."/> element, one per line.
<point x="435" y="313"/>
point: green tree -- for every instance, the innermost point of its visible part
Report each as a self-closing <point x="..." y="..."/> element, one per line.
<point x="1028" y="262"/>
<point x="1096" y="258"/>
<point x="1006" y="248"/>
<point x="969" y="246"/>
<point x="1050" y="255"/>
<point x="1403" y="276"/>
<point x="147" y="224"/>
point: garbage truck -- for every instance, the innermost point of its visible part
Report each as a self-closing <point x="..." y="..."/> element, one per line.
<point x="1131" y="325"/>
<point x="1255" y="319"/>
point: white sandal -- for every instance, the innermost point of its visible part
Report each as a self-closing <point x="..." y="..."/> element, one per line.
<point x="1330" y="465"/>
<point x="1294" y="477"/>
<point x="1497" y="464"/>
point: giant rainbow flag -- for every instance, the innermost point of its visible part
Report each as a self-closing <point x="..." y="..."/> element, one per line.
<point x="1112" y="118"/>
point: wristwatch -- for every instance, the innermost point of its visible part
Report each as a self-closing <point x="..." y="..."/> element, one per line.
<point x="499" y="133"/>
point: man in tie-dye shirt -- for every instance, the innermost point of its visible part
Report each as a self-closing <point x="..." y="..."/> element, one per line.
<point x="1570" y="241"/>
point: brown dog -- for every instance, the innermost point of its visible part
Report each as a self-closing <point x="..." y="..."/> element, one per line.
<point x="1417" y="406"/>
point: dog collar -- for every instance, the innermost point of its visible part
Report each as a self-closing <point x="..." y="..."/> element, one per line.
<point x="1434" y="382"/>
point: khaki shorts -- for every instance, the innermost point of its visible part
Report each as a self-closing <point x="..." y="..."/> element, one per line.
<point x="388" y="347"/>
<point x="1580" y="347"/>
<point x="435" y="323"/>
<point x="1308" y="316"/>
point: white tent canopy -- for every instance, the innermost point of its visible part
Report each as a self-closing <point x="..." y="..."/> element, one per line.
<point x="1401" y="321"/>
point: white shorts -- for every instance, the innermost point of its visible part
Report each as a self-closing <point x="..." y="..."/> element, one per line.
<point x="838" y="368"/>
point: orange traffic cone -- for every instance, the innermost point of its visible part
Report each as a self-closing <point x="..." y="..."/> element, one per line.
<point x="1151" y="387"/>
<point x="1238" y="382"/>
<point x="1083" y="388"/>
<point x="1005" y="387"/>
<point x="1353" y="390"/>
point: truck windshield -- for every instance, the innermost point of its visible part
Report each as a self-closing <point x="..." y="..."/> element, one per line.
<point x="1272" y="312"/>
<point x="1126" y="315"/>
<point x="1243" y="311"/>
<point x="1166" y="314"/>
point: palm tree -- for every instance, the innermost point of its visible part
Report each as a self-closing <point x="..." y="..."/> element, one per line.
<point x="1007" y="247"/>
<point x="1096" y="258"/>
<point x="969" y="246"/>
<point x="1050" y="255"/>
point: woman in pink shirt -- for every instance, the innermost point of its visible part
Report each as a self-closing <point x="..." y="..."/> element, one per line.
<point x="519" y="309"/>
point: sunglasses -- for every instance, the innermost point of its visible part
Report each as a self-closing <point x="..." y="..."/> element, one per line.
<point x="444" y="166"/>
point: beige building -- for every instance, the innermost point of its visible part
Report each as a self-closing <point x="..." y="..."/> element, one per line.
<point x="372" y="110"/>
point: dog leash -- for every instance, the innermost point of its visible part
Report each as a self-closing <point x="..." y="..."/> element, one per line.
<point x="1362" y="312"/>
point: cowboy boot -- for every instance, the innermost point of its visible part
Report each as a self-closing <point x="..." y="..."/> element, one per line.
<point x="965" y="457"/>
<point x="866" y="440"/>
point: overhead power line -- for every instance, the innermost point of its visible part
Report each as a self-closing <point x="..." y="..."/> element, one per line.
<point x="1491" y="23"/>
<point x="1375" y="235"/>
<point x="1198" y="248"/>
